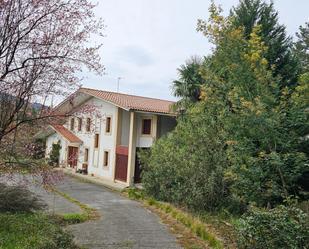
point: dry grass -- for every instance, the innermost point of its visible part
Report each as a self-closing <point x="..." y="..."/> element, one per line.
<point x="184" y="235"/>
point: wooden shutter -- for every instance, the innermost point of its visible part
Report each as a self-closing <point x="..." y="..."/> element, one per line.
<point x="106" y="159"/>
<point x="88" y="125"/>
<point x="108" y="125"/>
<point x="72" y="124"/>
<point x="79" y="124"/>
<point x="146" y="127"/>
<point x="96" y="140"/>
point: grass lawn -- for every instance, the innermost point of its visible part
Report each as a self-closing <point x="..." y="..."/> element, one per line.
<point x="33" y="230"/>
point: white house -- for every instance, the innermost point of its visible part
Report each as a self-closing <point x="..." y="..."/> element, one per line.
<point x="104" y="130"/>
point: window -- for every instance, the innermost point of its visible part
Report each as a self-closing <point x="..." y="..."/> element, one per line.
<point x="86" y="156"/>
<point x="72" y="124"/>
<point x="108" y="125"/>
<point x="79" y="124"/>
<point x="88" y="124"/>
<point x="106" y="158"/>
<point x="146" y="126"/>
<point x="96" y="141"/>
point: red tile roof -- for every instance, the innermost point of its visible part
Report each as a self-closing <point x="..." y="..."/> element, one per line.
<point x="132" y="102"/>
<point x="66" y="133"/>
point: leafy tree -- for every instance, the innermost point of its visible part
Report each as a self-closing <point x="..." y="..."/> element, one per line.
<point x="302" y="46"/>
<point x="240" y="141"/>
<point x="43" y="45"/>
<point x="187" y="166"/>
<point x="188" y="86"/>
<point x="251" y="13"/>
<point x="264" y="147"/>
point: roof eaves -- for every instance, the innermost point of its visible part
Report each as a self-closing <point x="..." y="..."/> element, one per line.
<point x="58" y="132"/>
<point x="65" y="100"/>
<point x="156" y="112"/>
<point x="110" y="102"/>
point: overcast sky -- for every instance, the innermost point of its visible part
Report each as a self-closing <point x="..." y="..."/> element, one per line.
<point x="147" y="40"/>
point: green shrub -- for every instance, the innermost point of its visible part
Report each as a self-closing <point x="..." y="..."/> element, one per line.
<point x="135" y="194"/>
<point x="187" y="167"/>
<point x="281" y="227"/>
<point x="55" y="154"/>
<point x="18" y="199"/>
<point x="151" y="201"/>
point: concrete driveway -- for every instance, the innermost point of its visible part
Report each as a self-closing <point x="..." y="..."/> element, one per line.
<point x="123" y="224"/>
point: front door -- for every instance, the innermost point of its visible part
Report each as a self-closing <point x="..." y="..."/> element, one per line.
<point x="121" y="169"/>
<point x="72" y="156"/>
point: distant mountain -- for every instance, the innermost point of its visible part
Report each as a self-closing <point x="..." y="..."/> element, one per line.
<point x="35" y="105"/>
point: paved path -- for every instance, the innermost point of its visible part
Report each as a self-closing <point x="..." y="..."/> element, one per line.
<point x="56" y="204"/>
<point x="123" y="224"/>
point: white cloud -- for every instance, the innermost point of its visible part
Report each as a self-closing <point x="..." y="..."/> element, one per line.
<point x="147" y="40"/>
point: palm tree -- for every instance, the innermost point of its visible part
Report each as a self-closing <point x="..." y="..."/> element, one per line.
<point x="188" y="85"/>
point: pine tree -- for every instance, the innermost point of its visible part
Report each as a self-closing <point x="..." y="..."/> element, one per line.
<point x="302" y="47"/>
<point x="250" y="13"/>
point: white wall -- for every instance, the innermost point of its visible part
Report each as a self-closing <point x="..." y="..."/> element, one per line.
<point x="97" y="110"/>
<point x="53" y="139"/>
<point x="160" y="126"/>
<point x="145" y="141"/>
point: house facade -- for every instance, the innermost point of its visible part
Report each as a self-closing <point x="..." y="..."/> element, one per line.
<point x="103" y="131"/>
